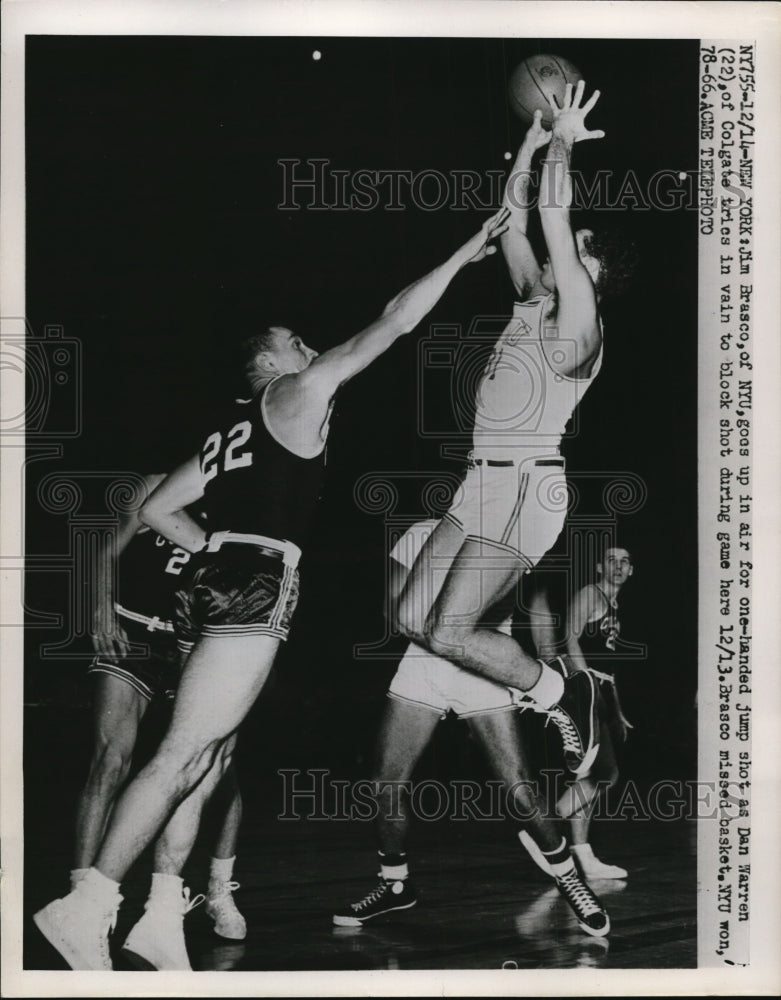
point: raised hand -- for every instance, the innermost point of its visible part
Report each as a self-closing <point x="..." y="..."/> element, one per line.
<point x="480" y="244"/>
<point x="536" y="136"/>
<point x="569" y="119"/>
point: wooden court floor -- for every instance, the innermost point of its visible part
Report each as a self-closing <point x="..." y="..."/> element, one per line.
<point x="483" y="904"/>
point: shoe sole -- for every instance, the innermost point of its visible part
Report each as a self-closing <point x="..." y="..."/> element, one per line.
<point x="601" y="932"/>
<point x="358" y="922"/>
<point x="74" y="958"/>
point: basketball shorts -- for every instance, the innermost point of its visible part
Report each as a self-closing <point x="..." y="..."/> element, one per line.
<point x="239" y="585"/>
<point x="518" y="508"/>
<point x="428" y="681"/>
<point x="153" y="668"/>
<point x="606" y="705"/>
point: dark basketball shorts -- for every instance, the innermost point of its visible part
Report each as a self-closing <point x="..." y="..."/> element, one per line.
<point x="239" y="585"/>
<point x="153" y="668"/>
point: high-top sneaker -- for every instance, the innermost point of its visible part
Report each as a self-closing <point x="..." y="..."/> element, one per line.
<point x="387" y="896"/>
<point x="589" y="912"/>
<point x="78" y="925"/>
<point x="157" y="940"/>
<point x="221" y="907"/>
<point x="575" y="716"/>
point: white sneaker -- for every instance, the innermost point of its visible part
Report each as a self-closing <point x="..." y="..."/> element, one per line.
<point x="157" y="940"/>
<point x="78" y="926"/>
<point x="221" y="907"/>
<point x="592" y="867"/>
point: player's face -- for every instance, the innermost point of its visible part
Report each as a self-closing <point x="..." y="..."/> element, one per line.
<point x="290" y="353"/>
<point x="616" y="566"/>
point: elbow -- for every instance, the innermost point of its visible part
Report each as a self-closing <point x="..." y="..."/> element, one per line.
<point x="146" y="514"/>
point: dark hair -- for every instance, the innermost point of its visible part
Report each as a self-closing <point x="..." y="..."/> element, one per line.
<point x="608" y="547"/>
<point x="618" y="258"/>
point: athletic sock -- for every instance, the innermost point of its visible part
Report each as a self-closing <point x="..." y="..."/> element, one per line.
<point x="221" y="869"/>
<point x="559" y="859"/>
<point x="548" y="688"/>
<point x="166" y="886"/>
<point x="393" y="867"/>
<point x="77" y="874"/>
<point x="98" y="886"/>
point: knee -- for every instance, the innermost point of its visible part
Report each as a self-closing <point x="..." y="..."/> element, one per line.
<point x="440" y="639"/>
<point x="187" y="763"/>
<point x="111" y="761"/>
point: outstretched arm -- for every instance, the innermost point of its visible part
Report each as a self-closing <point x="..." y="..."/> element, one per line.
<point x="401" y="315"/>
<point x="521" y="262"/>
<point x="165" y="509"/>
<point x="577" y="318"/>
<point x="108" y="636"/>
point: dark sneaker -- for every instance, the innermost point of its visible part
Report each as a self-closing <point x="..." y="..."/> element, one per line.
<point x="385" y="898"/>
<point x="589" y="912"/>
<point x="575" y="716"/>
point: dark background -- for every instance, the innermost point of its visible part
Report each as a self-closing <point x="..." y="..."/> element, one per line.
<point x="154" y="239"/>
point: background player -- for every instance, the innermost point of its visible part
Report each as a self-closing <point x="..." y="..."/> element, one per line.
<point x="260" y="474"/>
<point x="592" y="637"/>
<point x="136" y="662"/>
<point x="424" y="689"/>
<point x="512" y="504"/>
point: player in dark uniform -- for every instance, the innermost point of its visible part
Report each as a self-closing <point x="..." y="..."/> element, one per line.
<point x="593" y="631"/>
<point x="259" y="474"/>
<point x="136" y="662"/>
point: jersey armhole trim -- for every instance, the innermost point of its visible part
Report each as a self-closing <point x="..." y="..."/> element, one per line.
<point x="272" y="432"/>
<point x="595" y="367"/>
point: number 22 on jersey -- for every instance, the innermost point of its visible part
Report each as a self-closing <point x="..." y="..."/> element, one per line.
<point x="231" y="454"/>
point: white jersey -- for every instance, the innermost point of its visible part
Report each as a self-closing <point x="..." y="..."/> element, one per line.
<point x="522" y="403"/>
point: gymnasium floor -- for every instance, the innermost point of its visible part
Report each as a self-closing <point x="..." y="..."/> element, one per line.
<point x="483" y="904"/>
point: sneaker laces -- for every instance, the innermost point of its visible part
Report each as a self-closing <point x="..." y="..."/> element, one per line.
<point x="374" y="896"/>
<point x="579" y="894"/>
<point x="217" y="890"/>
<point x="190" y="904"/>
<point x="565" y="725"/>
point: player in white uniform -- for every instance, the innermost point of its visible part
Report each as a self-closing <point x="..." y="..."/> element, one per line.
<point x="512" y="504"/>
<point x="424" y="689"/>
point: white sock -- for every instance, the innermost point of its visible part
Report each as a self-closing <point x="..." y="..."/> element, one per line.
<point x="77" y="874"/>
<point x="582" y="850"/>
<point x="98" y="886"/>
<point x="549" y="687"/>
<point x="221" y="869"/>
<point x="394" y="873"/>
<point x="166" y="885"/>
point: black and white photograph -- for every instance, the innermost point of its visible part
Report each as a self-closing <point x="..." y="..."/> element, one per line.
<point x="384" y="533"/>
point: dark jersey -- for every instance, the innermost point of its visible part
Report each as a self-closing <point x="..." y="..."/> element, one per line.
<point x="600" y="638"/>
<point x="252" y="483"/>
<point x="149" y="571"/>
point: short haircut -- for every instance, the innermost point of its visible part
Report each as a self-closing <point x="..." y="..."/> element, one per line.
<point x="252" y="346"/>
<point x="617" y="255"/>
<point x="614" y="548"/>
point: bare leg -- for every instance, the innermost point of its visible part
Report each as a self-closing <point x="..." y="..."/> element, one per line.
<point x="119" y="709"/>
<point x="405" y="733"/>
<point x="221" y="680"/>
<point x="175" y="843"/>
<point x="480" y="577"/>
<point x="500" y="737"/>
<point x="227" y="802"/>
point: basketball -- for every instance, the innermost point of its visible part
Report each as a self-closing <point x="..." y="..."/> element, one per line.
<point x="535" y="80"/>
